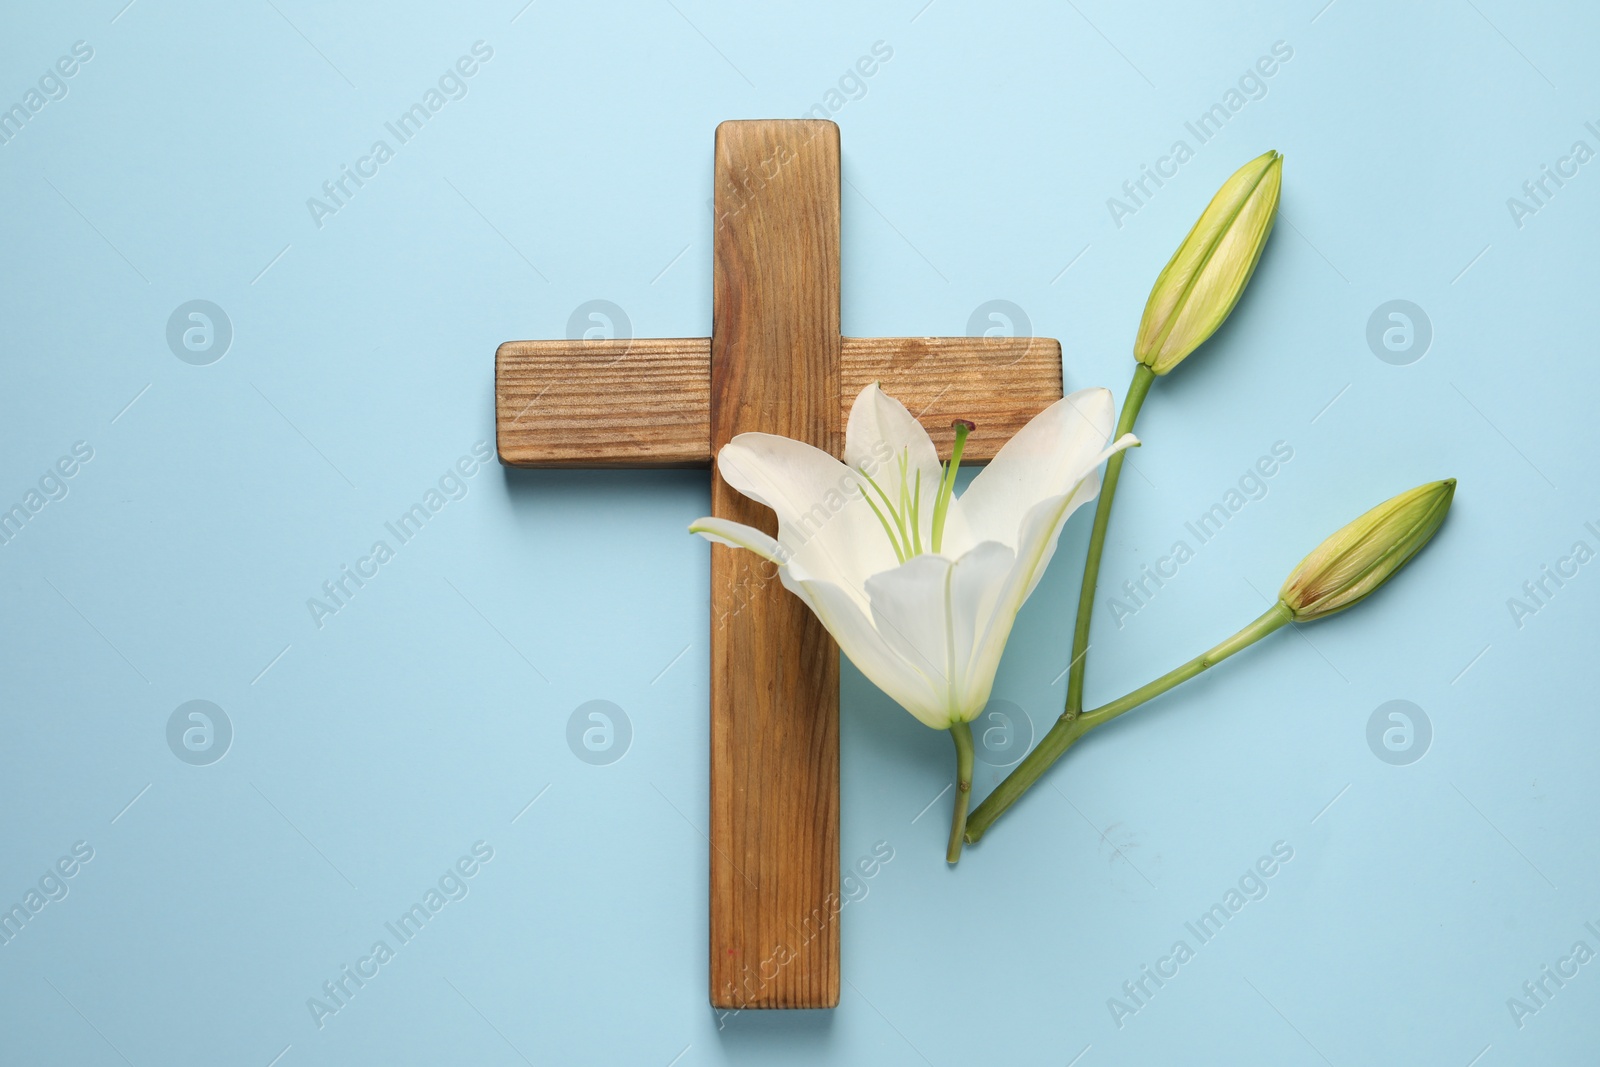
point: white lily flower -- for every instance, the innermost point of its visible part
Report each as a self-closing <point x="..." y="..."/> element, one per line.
<point x="919" y="587"/>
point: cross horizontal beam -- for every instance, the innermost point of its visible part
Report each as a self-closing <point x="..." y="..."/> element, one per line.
<point x="647" y="402"/>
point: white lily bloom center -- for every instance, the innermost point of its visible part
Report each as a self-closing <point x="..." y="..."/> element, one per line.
<point x="920" y="587"/>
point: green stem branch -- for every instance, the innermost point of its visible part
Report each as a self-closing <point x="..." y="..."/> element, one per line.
<point x="1143" y="376"/>
<point x="1065" y="733"/>
<point x="961" y="734"/>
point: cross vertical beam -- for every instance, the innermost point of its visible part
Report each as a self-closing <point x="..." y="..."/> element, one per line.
<point x="775" y="367"/>
<point x="775" y="363"/>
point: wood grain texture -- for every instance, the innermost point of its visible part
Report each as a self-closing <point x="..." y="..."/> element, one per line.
<point x="999" y="383"/>
<point x="647" y="403"/>
<point x="639" y="403"/>
<point x="774" y="669"/>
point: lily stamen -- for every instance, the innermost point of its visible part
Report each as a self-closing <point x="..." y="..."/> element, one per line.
<point x="901" y="553"/>
<point x="916" y="515"/>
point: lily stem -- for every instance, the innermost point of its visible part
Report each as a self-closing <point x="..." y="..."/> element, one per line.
<point x="1143" y="376"/>
<point x="961" y="734"/>
<point x="1069" y="728"/>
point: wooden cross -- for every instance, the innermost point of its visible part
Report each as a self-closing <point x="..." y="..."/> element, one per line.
<point x="774" y="362"/>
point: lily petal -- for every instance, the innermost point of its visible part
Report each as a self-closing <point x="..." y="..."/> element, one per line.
<point x="1048" y="457"/>
<point x="879" y="433"/>
<point x="823" y="519"/>
<point x="931" y="610"/>
<point x="1037" y="538"/>
<point x="909" y="609"/>
<point x="738" y="535"/>
<point x="844" y="618"/>
<point x="977" y="597"/>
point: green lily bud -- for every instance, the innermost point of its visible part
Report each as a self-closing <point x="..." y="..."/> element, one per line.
<point x="1202" y="281"/>
<point x="1352" y="563"/>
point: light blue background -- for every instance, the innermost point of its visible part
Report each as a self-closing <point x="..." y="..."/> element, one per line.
<point x="368" y="754"/>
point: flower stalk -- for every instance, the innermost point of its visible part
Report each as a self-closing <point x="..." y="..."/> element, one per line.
<point x="1339" y="573"/>
<point x="961" y="734"/>
<point x="1138" y="389"/>
<point x="1191" y="298"/>
<point x="1067" y="730"/>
